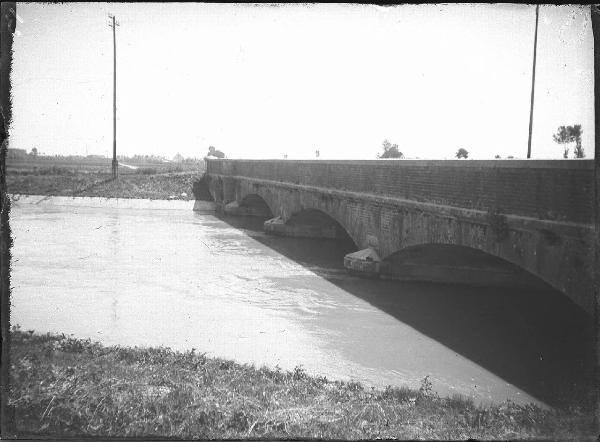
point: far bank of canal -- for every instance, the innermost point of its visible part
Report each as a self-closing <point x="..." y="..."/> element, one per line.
<point x="166" y="276"/>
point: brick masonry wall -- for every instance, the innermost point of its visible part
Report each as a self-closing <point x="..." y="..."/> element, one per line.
<point x="545" y="189"/>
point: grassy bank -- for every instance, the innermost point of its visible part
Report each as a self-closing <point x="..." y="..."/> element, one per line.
<point x="148" y="183"/>
<point x="62" y="386"/>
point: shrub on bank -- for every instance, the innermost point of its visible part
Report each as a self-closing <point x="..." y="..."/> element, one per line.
<point x="146" y="171"/>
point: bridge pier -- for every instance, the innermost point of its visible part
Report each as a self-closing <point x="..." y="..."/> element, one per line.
<point x="365" y="263"/>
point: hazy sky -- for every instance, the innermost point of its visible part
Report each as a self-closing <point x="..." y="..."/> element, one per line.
<point x="265" y="81"/>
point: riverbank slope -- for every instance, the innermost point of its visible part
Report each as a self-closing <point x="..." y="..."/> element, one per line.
<point x="61" y="386"/>
<point x="148" y="183"/>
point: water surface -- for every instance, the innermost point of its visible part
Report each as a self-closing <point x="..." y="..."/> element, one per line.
<point x="220" y="285"/>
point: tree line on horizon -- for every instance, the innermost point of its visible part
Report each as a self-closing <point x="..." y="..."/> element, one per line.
<point x="393" y="151"/>
<point x="565" y="135"/>
<point x="35" y="153"/>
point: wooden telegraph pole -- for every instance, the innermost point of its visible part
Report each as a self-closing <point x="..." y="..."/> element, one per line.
<point x="537" y="13"/>
<point x="115" y="164"/>
<point x="595" y="11"/>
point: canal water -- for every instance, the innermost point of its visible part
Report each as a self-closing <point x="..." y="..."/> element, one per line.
<point x="182" y="279"/>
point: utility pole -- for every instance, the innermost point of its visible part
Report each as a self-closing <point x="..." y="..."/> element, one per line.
<point x="595" y="11"/>
<point x="537" y="13"/>
<point x="115" y="164"/>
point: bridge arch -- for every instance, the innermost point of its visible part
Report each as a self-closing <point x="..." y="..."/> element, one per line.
<point x="256" y="204"/>
<point x="320" y="219"/>
<point x="388" y="206"/>
<point x="300" y="213"/>
<point x="453" y="263"/>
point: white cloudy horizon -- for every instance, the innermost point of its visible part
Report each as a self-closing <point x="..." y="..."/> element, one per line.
<point x="259" y="81"/>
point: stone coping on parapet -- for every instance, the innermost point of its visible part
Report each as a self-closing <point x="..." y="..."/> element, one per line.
<point x="101" y="202"/>
<point x="581" y="163"/>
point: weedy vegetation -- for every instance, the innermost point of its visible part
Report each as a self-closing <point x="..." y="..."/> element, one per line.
<point x="148" y="183"/>
<point x="64" y="387"/>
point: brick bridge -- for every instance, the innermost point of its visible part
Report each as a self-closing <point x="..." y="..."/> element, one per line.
<point x="517" y="221"/>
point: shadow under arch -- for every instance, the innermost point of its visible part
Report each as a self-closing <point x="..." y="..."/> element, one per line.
<point x="257" y="204"/>
<point x="458" y="264"/>
<point x="319" y="218"/>
<point x="538" y="340"/>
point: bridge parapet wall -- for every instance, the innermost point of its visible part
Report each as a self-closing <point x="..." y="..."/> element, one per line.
<point x="556" y="190"/>
<point x="536" y="215"/>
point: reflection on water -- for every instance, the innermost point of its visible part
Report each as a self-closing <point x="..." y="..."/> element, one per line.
<point x="188" y="280"/>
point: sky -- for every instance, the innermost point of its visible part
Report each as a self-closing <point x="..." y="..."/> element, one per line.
<point x="264" y="81"/>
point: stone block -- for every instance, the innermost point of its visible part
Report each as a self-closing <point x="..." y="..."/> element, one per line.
<point x="365" y="262"/>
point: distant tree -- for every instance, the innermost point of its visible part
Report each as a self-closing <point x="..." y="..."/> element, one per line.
<point x="497" y="157"/>
<point x="178" y="158"/>
<point x="562" y="137"/>
<point x="390" y="151"/>
<point x="510" y="157"/>
<point x="576" y="132"/>
<point x="34" y="152"/>
<point x="317" y="153"/>
<point x="462" y="153"/>
<point x="567" y="134"/>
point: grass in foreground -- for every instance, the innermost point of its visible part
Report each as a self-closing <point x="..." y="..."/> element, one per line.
<point x="144" y="183"/>
<point x="62" y="386"/>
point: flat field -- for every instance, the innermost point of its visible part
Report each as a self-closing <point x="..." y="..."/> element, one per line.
<point x="92" y="177"/>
